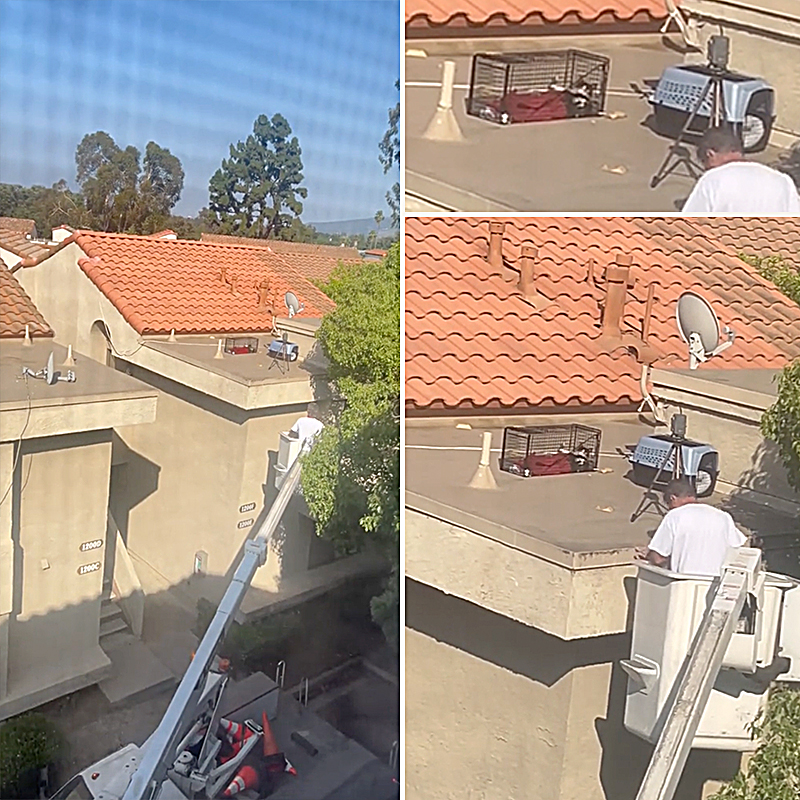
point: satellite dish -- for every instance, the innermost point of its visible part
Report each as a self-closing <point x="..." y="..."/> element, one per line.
<point x="293" y="304"/>
<point x="699" y="328"/>
<point x="50" y="375"/>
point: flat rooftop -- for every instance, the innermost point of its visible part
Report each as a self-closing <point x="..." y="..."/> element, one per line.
<point x="93" y="382"/>
<point x="251" y="369"/>
<point x="579" y="520"/>
<point x="581" y="165"/>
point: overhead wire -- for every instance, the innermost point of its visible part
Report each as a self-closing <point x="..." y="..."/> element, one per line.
<point x="18" y="446"/>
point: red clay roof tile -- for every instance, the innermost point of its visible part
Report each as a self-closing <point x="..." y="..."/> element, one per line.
<point x="164" y="284"/>
<point x="470" y="13"/>
<point x="314" y="261"/>
<point x="17" y="310"/>
<point x="473" y="340"/>
<point x="26" y="226"/>
<point x="17" y="242"/>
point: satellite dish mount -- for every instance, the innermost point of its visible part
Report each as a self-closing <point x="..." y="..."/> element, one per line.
<point x="293" y="304"/>
<point x="699" y="328"/>
<point x="48" y="373"/>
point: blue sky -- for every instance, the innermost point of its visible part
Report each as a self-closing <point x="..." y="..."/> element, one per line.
<point x="192" y="75"/>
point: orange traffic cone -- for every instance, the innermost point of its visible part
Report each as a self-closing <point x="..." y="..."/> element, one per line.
<point x="246" y="778"/>
<point x="270" y="745"/>
<point x="274" y="760"/>
<point x="233" y="730"/>
<point x="289" y="768"/>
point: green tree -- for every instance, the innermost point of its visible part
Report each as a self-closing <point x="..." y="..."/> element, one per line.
<point x="781" y="422"/>
<point x="256" y="192"/>
<point x="47" y="207"/>
<point x="774" y="770"/>
<point x="120" y="194"/>
<point x="783" y="273"/>
<point x="351" y="479"/>
<point x="389" y="156"/>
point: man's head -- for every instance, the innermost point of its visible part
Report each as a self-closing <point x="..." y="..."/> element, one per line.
<point x="679" y="492"/>
<point x="312" y="412"/>
<point x="719" y="146"/>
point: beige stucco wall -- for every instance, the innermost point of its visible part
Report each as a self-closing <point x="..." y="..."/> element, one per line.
<point x="498" y="709"/>
<point x="534" y="590"/>
<point x="58" y="500"/>
<point x="765" y="41"/>
<point x="185" y="478"/>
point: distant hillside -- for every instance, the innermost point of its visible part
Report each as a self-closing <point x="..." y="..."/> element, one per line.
<point x="350" y="227"/>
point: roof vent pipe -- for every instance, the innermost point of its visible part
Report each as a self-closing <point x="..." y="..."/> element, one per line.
<point x="527" y="271"/>
<point x="483" y="477"/>
<point x="617" y="284"/>
<point x="496" y="230"/>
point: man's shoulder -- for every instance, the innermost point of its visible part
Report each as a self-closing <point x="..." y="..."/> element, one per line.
<point x="739" y="170"/>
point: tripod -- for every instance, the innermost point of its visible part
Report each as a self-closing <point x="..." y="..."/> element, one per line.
<point x="280" y="357"/>
<point x="650" y="498"/>
<point x="677" y="153"/>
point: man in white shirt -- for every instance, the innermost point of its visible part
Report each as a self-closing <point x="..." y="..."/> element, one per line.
<point x="732" y="185"/>
<point x="306" y="428"/>
<point x="693" y="538"/>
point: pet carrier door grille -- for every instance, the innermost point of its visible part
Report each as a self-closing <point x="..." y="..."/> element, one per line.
<point x="535" y="87"/>
<point x="550" y="449"/>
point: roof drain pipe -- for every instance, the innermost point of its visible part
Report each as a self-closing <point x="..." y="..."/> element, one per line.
<point x="647" y="399"/>
<point x="483" y="477"/>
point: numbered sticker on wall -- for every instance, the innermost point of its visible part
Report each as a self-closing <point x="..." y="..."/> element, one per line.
<point x="246" y="507"/>
<point x="245" y="523"/>
<point x="87" y="569"/>
<point x="95" y="544"/>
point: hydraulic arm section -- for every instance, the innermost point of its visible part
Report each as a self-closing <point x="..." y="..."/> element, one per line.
<point x="705" y="660"/>
<point x="192" y="695"/>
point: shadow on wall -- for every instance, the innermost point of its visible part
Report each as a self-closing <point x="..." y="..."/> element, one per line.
<point x="546" y="659"/>
<point x="779" y="531"/>
<point x="133" y="479"/>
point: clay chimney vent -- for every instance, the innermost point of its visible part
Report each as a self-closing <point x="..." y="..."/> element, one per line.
<point x="496" y="230"/>
<point x="527" y="271"/>
<point x="263" y="293"/>
<point x="223" y="273"/>
<point x="234" y="282"/>
<point x="617" y="284"/>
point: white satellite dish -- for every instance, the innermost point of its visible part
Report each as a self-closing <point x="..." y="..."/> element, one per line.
<point x="293" y="304"/>
<point x="48" y="373"/>
<point x="699" y="328"/>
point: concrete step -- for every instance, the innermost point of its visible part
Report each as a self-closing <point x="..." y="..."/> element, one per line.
<point x="109" y="610"/>
<point x="137" y="673"/>
<point x="112" y="625"/>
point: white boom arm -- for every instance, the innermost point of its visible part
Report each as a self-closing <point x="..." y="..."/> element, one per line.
<point x="182" y="712"/>
<point x="705" y="659"/>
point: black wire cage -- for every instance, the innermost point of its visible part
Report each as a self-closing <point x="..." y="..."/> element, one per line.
<point x="536" y="87"/>
<point x="550" y="449"/>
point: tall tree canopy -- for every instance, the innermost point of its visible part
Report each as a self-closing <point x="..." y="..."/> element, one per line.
<point x="351" y="479"/>
<point x="390" y="156"/>
<point x="120" y="194"/>
<point x="256" y="192"/>
<point x="47" y="207"/>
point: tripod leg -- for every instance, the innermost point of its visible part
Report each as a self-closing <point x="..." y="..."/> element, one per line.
<point x="641" y="508"/>
<point x="672" y="152"/>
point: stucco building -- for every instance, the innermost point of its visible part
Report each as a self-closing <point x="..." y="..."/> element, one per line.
<point x="520" y="591"/>
<point x="56" y="463"/>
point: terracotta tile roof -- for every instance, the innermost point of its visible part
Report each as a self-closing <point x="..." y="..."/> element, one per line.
<point x="314" y="261"/>
<point x="17" y="310"/>
<point x="161" y="284"/>
<point x="473" y="340"/>
<point x="27" y="226"/>
<point x="498" y="13"/>
<point x="757" y="236"/>
<point x="17" y="243"/>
